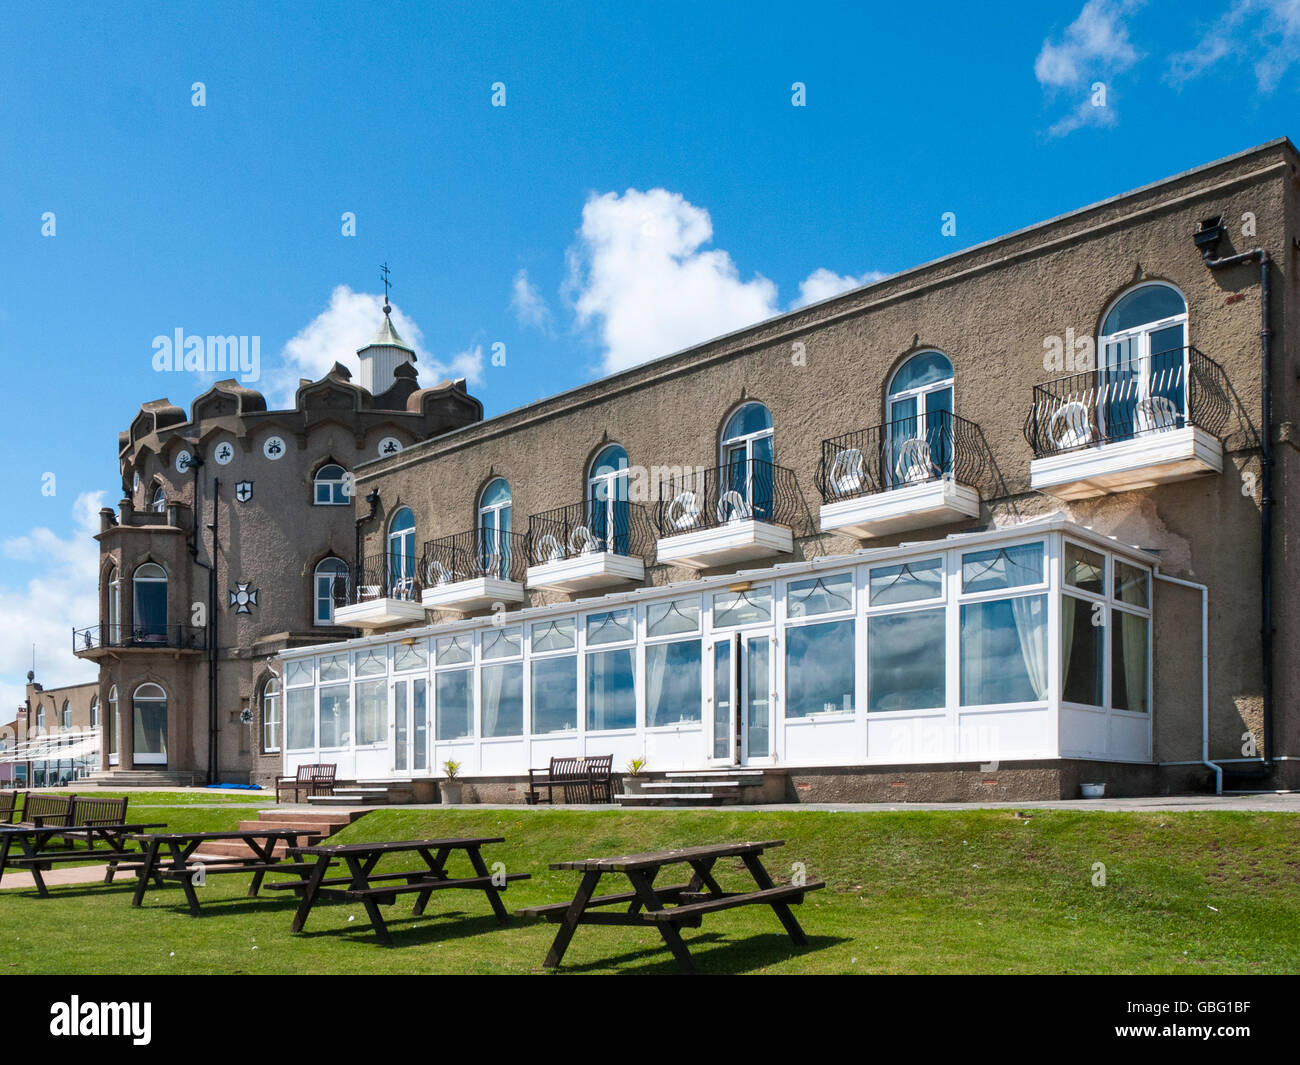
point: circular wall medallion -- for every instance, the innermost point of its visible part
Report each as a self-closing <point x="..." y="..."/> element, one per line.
<point x="389" y="445"/>
<point x="273" y="448"/>
<point x="183" y="460"/>
<point x="224" y="453"/>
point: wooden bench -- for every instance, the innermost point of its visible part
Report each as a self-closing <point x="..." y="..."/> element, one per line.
<point x="670" y="909"/>
<point x="593" y="775"/>
<point x="41" y="811"/>
<point x="313" y="779"/>
<point x="9" y="806"/>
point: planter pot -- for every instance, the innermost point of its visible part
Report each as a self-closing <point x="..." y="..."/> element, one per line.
<point x="632" y="785"/>
<point x="452" y="791"/>
<point x="1093" y="791"/>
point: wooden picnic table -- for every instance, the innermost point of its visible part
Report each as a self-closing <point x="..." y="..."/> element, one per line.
<point x="181" y="863"/>
<point x="669" y="908"/>
<point x="40" y="855"/>
<point x="362" y="884"/>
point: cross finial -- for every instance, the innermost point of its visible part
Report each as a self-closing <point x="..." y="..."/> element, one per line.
<point x="383" y="269"/>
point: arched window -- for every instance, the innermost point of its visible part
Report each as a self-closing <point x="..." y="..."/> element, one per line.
<point x="94" y="711"/>
<point x="149" y="712"/>
<point x="494" y="506"/>
<point x="271" y="715"/>
<point x="333" y="486"/>
<point x="149" y="597"/>
<point x="157" y="499"/>
<point x="1143" y="364"/>
<point x="113" y="612"/>
<point x="748" y="452"/>
<point x="113" y="725"/>
<point x="40" y="718"/>
<point x="608" y="514"/>
<point x="65" y="715"/>
<point x="331" y="589"/>
<point x="919" y="430"/>
<point x="401" y="554"/>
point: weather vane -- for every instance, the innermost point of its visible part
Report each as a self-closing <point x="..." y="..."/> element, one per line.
<point x="384" y="270"/>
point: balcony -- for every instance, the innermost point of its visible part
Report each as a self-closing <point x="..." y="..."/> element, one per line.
<point x="473" y="570"/>
<point x="98" y="641"/>
<point x="737" y="512"/>
<point x="1134" y="425"/>
<point x="588" y="545"/>
<point x="386" y="593"/>
<point x="905" y="475"/>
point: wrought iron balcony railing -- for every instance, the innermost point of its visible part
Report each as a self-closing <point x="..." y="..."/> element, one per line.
<point x="162" y="637"/>
<point x="910" y="451"/>
<point x="740" y="491"/>
<point x="388" y="576"/>
<point x="618" y="526"/>
<point x="470" y="555"/>
<point x="1136" y="398"/>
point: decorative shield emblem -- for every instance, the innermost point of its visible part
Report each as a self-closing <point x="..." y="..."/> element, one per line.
<point x="243" y="598"/>
<point x="244" y="491"/>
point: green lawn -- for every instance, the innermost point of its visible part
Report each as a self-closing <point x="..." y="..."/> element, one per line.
<point x="924" y="891"/>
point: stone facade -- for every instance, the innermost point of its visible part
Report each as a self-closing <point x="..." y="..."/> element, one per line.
<point x="822" y="371"/>
<point x="249" y="502"/>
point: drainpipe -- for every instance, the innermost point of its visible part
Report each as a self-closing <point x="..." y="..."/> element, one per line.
<point x="195" y="463"/>
<point x="373" y="500"/>
<point x="1205" y="674"/>
<point x="1265" y="259"/>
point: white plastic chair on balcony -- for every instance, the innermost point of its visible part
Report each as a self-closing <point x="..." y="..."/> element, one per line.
<point x="732" y="507"/>
<point x="846" y="472"/>
<point x="581" y="542"/>
<point x="548" y="550"/>
<point x="1071" y="426"/>
<point x="683" y="511"/>
<point x="1155" y="414"/>
<point x="436" y="574"/>
<point x="914" y="464"/>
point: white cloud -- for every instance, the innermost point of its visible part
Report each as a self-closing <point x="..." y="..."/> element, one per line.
<point x="640" y="274"/>
<point x="60" y="594"/>
<point x="822" y="284"/>
<point x="527" y="302"/>
<point x="348" y="323"/>
<point x="1268" y="30"/>
<point x="1095" y="47"/>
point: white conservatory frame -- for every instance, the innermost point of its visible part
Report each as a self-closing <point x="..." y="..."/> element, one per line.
<point x="1038" y="729"/>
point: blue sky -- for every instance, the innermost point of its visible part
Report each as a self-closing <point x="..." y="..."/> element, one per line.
<point x="648" y="184"/>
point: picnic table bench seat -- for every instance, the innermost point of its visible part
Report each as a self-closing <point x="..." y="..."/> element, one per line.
<point x="9" y="806"/>
<point x="591" y="775"/>
<point x="314" y="779"/>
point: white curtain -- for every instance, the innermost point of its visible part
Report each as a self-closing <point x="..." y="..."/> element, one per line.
<point x="656" y="661"/>
<point x="1031" y="626"/>
<point x="492" y="678"/>
<point x="1133" y="637"/>
<point x="1068" y="606"/>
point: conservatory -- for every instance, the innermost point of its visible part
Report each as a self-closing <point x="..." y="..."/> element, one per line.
<point x="1027" y="642"/>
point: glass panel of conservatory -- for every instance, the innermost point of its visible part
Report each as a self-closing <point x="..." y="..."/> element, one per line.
<point x="1002" y="567"/>
<point x="1128" y="654"/>
<point x="673" y="679"/>
<point x="372" y="712"/>
<point x="1083" y="651"/>
<point x="819" y="595"/>
<point x="677" y="615"/>
<point x="819" y="669"/>
<point x="742" y="608"/>
<point x="503" y="699"/>
<point x="905" y="661"/>
<point x="907" y="583"/>
<point x="455" y="703"/>
<point x="300" y="719"/>
<point x="1004" y="651"/>
<point x="611" y="690"/>
<point x="555" y="694"/>
<point x="335" y="715"/>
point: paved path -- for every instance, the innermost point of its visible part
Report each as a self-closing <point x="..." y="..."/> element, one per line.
<point x="68" y="874"/>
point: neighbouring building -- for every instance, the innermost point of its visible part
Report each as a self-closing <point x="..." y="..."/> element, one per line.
<point x="55" y="738"/>
<point x="1008" y="522"/>
<point x="233" y="541"/>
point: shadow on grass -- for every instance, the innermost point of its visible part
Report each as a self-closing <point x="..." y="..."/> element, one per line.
<point x="411" y="930"/>
<point x="714" y="953"/>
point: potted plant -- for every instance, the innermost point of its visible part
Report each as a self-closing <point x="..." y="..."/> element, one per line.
<point x="451" y="789"/>
<point x="632" y="780"/>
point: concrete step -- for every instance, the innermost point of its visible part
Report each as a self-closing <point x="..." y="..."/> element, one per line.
<point x="749" y="775"/>
<point x="672" y="786"/>
<point x="666" y="800"/>
<point x="349" y="799"/>
<point x="235" y="848"/>
<point x="319" y="828"/>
